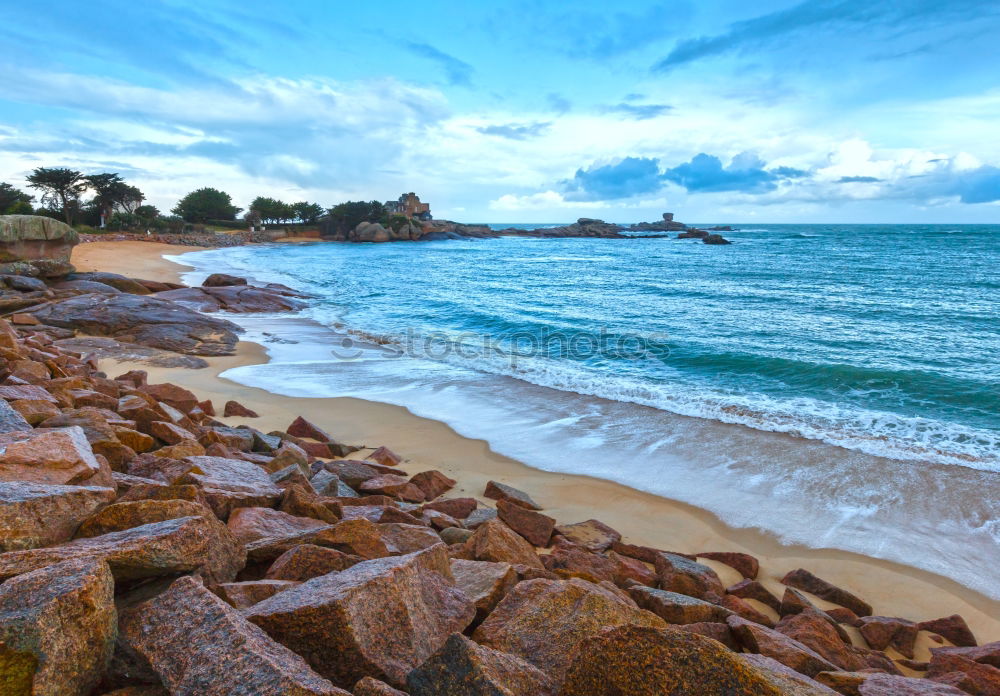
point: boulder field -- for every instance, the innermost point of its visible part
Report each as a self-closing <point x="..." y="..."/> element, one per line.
<point x="149" y="549"/>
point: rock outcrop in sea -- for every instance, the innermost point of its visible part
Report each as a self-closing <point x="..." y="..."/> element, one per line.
<point x="400" y="230"/>
<point x="584" y="227"/>
<point x="149" y="548"/>
<point x="667" y="224"/>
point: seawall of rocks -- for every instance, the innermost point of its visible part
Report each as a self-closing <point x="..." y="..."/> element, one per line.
<point x="202" y="239"/>
<point x="148" y="548"/>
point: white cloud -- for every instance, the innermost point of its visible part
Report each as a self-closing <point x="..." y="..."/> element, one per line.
<point x="327" y="140"/>
<point x="545" y="200"/>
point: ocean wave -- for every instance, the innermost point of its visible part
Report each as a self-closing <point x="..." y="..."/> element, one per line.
<point x="869" y="430"/>
<point x="877" y="433"/>
<point x="548" y="259"/>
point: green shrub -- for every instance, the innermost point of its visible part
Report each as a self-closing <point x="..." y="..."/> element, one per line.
<point x="397" y="222"/>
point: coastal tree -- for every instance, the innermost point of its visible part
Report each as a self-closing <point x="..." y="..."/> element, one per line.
<point x="308" y="213"/>
<point x="346" y="216"/>
<point x="129" y="199"/>
<point x="13" y="201"/>
<point x="206" y="204"/>
<point x="111" y="193"/>
<point x="61" y="189"/>
<point x="271" y="210"/>
<point x="146" y="214"/>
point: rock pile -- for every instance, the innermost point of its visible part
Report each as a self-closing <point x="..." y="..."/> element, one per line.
<point x="148" y="548"/>
<point x="203" y="239"/>
<point x="138" y="312"/>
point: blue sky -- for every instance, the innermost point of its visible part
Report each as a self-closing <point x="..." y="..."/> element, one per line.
<point x="521" y="111"/>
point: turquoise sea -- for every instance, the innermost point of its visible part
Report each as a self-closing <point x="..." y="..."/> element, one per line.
<point x="846" y="376"/>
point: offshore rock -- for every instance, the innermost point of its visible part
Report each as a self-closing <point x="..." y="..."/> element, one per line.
<point x="715" y="239"/>
<point x="693" y="234"/>
<point x="667" y="224"/>
<point x="583" y="227"/>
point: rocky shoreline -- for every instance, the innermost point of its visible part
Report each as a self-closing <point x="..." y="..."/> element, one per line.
<point x="433" y="230"/>
<point x="149" y="548"/>
<point x="214" y="240"/>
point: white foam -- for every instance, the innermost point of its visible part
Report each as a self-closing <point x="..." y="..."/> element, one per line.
<point x="943" y="519"/>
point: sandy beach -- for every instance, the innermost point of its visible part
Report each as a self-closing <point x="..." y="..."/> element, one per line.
<point x="893" y="589"/>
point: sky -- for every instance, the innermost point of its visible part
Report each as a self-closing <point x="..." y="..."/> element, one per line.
<point x="521" y="111"/>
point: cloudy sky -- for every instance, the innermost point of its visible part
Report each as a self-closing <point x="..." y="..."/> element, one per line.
<point x="521" y="111"/>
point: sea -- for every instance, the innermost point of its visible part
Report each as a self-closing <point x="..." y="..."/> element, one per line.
<point x="833" y="386"/>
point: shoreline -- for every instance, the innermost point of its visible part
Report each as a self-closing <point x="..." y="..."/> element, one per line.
<point x="894" y="589"/>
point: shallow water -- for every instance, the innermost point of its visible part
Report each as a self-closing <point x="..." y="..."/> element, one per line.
<point x="835" y="386"/>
